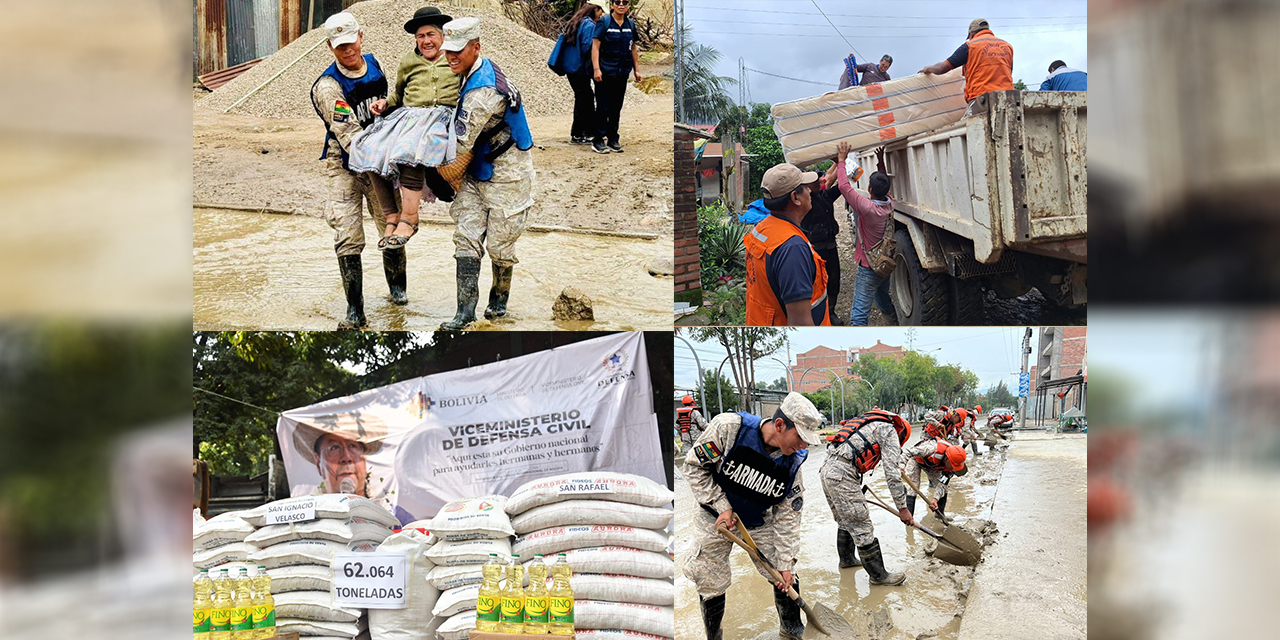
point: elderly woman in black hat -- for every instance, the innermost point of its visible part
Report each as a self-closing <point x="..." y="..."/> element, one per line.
<point x="414" y="135"/>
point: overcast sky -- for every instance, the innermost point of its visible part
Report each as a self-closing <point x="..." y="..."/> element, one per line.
<point x="1167" y="356"/>
<point x="990" y="352"/>
<point x="791" y="38"/>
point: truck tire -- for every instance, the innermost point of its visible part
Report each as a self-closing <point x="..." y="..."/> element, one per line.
<point x="966" y="302"/>
<point x="921" y="298"/>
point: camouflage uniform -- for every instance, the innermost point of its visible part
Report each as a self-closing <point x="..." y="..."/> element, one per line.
<point x="937" y="484"/>
<point x="491" y="214"/>
<point x="697" y="424"/>
<point x="842" y="482"/>
<point x="708" y="566"/>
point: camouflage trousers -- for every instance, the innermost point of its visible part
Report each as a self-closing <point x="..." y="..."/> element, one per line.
<point x="936" y="485"/>
<point x="346" y="195"/>
<point x="842" y="483"/>
<point x="494" y="214"/>
<point x="708" y="565"/>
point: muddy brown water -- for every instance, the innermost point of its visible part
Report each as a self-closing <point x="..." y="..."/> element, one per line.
<point x="931" y="600"/>
<point x="269" y="271"/>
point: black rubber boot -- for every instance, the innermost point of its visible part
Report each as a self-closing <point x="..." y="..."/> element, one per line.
<point x="873" y="561"/>
<point x="712" y="615"/>
<point x="911" y="505"/>
<point x="942" y="504"/>
<point x="353" y="287"/>
<point x="499" y="292"/>
<point x="847" y="551"/>
<point x="790" y="627"/>
<point x="468" y="294"/>
<point x="974" y="445"/>
<point x="393" y="263"/>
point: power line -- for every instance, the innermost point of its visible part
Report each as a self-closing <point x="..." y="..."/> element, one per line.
<point x="214" y="393"/>
<point x="821" y="84"/>
<point x="819" y="35"/>
<point x="837" y="30"/>
<point x="860" y="15"/>
<point x="881" y="27"/>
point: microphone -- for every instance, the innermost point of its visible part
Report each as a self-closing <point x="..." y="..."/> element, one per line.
<point x="347" y="485"/>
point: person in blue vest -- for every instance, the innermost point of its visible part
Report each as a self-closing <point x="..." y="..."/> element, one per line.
<point x="747" y="468"/>
<point x="614" y="56"/>
<point x="491" y="207"/>
<point x="1064" y="78"/>
<point x="342" y="96"/>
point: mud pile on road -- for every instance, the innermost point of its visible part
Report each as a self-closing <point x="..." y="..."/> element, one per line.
<point x="520" y="53"/>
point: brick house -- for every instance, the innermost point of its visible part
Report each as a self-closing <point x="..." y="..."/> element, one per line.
<point x="688" y="270"/>
<point x="826" y="360"/>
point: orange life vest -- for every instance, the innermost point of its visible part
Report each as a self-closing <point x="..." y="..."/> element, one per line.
<point x="684" y="418"/>
<point x="866" y="455"/>
<point x="935" y="460"/>
<point x="989" y="66"/>
<point x="763" y="307"/>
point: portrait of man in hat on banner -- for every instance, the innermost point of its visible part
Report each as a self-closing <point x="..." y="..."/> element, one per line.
<point x="338" y="446"/>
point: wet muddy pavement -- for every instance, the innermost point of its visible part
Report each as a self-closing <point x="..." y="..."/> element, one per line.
<point x="267" y="271"/>
<point x="929" y="604"/>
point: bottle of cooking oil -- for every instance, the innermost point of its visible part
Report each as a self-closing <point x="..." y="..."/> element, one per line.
<point x="512" y="619"/>
<point x="487" y="603"/>
<point x="561" y="601"/>
<point x="220" y="617"/>
<point x="535" y="599"/>
<point x="202" y="606"/>
<point x="264" y="606"/>
<point x="241" y="608"/>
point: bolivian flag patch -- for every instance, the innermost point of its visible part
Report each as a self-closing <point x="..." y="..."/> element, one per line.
<point x="707" y="452"/>
<point x="341" y="111"/>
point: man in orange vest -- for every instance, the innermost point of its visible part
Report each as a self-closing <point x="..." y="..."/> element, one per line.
<point x="786" y="278"/>
<point x="938" y="459"/>
<point x="987" y="62"/>
<point x="690" y="422"/>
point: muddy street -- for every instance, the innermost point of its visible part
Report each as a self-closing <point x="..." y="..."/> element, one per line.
<point x="268" y="271"/>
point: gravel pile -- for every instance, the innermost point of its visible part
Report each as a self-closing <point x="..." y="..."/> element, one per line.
<point x="521" y="53"/>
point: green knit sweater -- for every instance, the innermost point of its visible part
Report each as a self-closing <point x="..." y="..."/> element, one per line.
<point x="424" y="83"/>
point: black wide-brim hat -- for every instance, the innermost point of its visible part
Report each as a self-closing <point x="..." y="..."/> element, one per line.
<point x="426" y="15"/>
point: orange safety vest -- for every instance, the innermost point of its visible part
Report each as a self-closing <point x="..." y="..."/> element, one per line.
<point x="684" y="419"/>
<point x="935" y="460"/>
<point x="867" y="454"/>
<point x="989" y="67"/>
<point x="763" y="307"/>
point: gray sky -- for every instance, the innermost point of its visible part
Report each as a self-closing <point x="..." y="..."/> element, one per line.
<point x="916" y="33"/>
<point x="990" y="352"/>
<point x="1166" y="355"/>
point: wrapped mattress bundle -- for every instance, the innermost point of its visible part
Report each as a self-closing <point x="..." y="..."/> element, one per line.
<point x="612" y="529"/>
<point x="867" y="116"/>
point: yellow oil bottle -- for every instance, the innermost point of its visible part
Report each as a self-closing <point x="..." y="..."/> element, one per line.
<point x="536" y="597"/>
<point x="561" y="601"/>
<point x="241" y="608"/>
<point x="512" y="618"/>
<point x="488" y="602"/>
<point x="264" y="606"/>
<point x="202" y="606"/>
<point x="220" y="618"/>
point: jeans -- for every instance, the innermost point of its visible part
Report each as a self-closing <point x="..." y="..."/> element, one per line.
<point x="868" y="287"/>
<point x="584" y="106"/>
<point x="609" y="94"/>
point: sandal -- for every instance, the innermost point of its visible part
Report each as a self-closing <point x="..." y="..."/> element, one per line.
<point x="382" y="242"/>
<point x="399" y="240"/>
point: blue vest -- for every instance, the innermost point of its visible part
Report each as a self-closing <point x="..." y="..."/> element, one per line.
<point x="359" y="94"/>
<point x="489" y="75"/>
<point x="751" y="479"/>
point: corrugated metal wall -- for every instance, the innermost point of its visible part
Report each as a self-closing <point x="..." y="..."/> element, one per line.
<point x="266" y="26"/>
<point x="241" y="44"/>
<point x="211" y="35"/>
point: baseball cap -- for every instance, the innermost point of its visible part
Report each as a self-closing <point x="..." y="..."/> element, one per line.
<point x="801" y="412"/>
<point x="782" y="179"/>
<point x="457" y="33"/>
<point x="978" y="24"/>
<point x="341" y="28"/>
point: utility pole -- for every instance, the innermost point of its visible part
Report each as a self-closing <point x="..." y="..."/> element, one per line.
<point x="1022" y="401"/>
<point x="787" y="339"/>
<point x="680" y="61"/>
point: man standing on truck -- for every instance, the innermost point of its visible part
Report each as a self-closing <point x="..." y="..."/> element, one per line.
<point x="786" y="278"/>
<point x="745" y="467"/>
<point x="987" y="62"/>
<point x="1064" y="78"/>
<point x="872" y="216"/>
<point x="871" y="73"/>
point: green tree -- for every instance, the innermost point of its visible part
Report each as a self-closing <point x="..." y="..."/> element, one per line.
<point x="1020" y="85"/>
<point x="763" y="144"/>
<point x="777" y="385"/>
<point x="740" y="119"/>
<point x="728" y="400"/>
<point x="744" y="346"/>
<point x="706" y="95"/>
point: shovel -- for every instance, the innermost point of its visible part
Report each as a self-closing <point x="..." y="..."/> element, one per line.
<point x="945" y="552"/>
<point x="834" y="626"/>
<point x="955" y="535"/>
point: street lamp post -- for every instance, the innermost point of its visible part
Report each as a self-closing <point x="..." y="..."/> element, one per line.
<point x="701" y="390"/>
<point x="830" y="392"/>
<point x="719" y="402"/>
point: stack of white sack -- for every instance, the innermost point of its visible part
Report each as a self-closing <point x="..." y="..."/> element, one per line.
<point x="220" y="541"/>
<point x="298" y="557"/>
<point x="468" y="531"/>
<point x="612" y="529"/>
<point x="417" y="621"/>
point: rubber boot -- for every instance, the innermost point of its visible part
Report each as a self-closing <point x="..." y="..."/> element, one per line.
<point x="499" y="292"/>
<point x="712" y="615"/>
<point x="847" y="551"/>
<point x="353" y="287"/>
<point x="942" y="504"/>
<point x="873" y="561"/>
<point x="974" y="445"/>
<point x="393" y="264"/>
<point x="468" y="294"/>
<point x="911" y="505"/>
<point x="790" y="627"/>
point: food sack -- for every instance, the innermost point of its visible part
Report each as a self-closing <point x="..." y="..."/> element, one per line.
<point x="457" y="600"/>
<point x="598" y="485"/>
<point x="298" y="552"/>
<point x="618" y="588"/>
<point x="234" y="552"/>
<point x="579" y="512"/>
<point x="621" y="561"/>
<point x="345" y="531"/>
<point x="472" y="519"/>
<point x="303" y="577"/>
<point x="411" y="623"/>
<point x="613" y="634"/>
<point x="220" y="530"/>
<point x="444" y="578"/>
<point x="341" y="506"/>
<point x="457" y="627"/>
<point x="318" y="627"/>
<point x="313" y="605"/>
<point x="644" y="618"/>
<point x="557" y="539"/>
<point x="452" y="553"/>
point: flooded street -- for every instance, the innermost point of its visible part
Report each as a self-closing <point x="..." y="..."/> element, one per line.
<point x="267" y="271"/>
<point x="930" y="602"/>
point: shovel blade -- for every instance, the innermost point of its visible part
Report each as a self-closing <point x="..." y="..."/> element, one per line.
<point x="829" y="622"/>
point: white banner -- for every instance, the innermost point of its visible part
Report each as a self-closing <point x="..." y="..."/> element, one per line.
<point x="418" y="444"/>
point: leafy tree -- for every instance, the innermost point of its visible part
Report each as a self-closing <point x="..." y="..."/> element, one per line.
<point x="762" y="143"/>
<point x="728" y="400"/>
<point x="777" y="385"/>
<point x="1020" y="85"/>
<point x="706" y="95"/>
<point x="740" y="119"/>
<point x="744" y="345"/>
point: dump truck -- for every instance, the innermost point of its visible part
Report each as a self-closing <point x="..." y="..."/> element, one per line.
<point x="994" y="202"/>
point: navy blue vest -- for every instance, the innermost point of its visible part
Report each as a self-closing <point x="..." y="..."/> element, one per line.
<point x="359" y="94"/>
<point x="751" y="479"/>
<point x="489" y="75"/>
